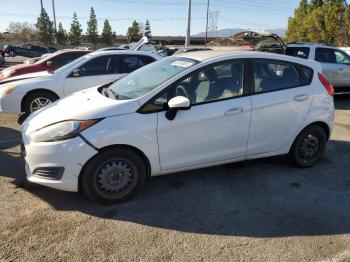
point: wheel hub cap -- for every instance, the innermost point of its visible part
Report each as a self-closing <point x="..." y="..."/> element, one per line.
<point x="114" y="177"/>
<point x="39" y="103"/>
<point x="309" y="147"/>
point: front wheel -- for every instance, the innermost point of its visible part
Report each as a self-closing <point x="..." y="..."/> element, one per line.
<point x="37" y="100"/>
<point x="309" y="146"/>
<point x="12" y="53"/>
<point x="113" y="176"/>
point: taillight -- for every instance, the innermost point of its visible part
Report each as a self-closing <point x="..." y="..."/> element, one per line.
<point x="326" y="84"/>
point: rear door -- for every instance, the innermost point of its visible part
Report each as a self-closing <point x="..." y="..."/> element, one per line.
<point x="281" y="100"/>
<point x="97" y="71"/>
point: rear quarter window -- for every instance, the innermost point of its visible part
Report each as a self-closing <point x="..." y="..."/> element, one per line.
<point x="301" y="52"/>
<point x="307" y="75"/>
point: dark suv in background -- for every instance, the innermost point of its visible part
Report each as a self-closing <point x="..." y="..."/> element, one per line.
<point x="27" y="50"/>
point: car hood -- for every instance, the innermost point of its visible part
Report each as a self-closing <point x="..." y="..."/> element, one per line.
<point x="26" y="76"/>
<point x="82" y="105"/>
<point x="17" y="67"/>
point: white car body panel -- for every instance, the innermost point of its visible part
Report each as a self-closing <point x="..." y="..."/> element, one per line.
<point x="254" y="126"/>
<point x="60" y="84"/>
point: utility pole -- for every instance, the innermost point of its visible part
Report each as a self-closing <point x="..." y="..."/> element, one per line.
<point x="206" y="24"/>
<point x="54" y="16"/>
<point x="188" y="29"/>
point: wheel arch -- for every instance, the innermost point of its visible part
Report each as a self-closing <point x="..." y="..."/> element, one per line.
<point x="123" y="146"/>
<point x="321" y="124"/>
<point x="36" y="91"/>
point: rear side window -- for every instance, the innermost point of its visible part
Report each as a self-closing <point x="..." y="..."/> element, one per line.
<point x="301" y="52"/>
<point x="133" y="62"/>
<point x="325" y="55"/>
<point x="96" y="66"/>
<point x="273" y="76"/>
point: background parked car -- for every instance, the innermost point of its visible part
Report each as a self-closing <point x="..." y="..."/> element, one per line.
<point x="335" y="62"/>
<point x="30" y="92"/>
<point x="48" y="63"/>
<point x="27" y="50"/>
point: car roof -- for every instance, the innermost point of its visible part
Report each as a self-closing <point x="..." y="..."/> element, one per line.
<point x="206" y="55"/>
<point x="123" y="52"/>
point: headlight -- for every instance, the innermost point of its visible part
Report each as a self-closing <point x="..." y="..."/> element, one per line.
<point x="61" y="131"/>
<point x="7" y="89"/>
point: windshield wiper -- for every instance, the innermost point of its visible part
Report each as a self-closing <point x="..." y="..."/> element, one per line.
<point x="113" y="92"/>
<point x="51" y="72"/>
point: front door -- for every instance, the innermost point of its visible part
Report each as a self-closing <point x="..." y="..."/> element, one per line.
<point x="216" y="128"/>
<point x="97" y="71"/>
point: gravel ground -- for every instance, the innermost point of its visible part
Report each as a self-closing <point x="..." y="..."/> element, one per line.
<point x="261" y="210"/>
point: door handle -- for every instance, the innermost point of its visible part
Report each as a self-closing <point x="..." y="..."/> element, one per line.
<point x="300" y="98"/>
<point x="341" y="69"/>
<point x="233" y="111"/>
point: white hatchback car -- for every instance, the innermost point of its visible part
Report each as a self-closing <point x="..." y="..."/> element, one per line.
<point x="184" y="112"/>
<point x="30" y="92"/>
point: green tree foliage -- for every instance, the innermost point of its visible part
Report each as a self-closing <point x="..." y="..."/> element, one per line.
<point x="107" y="34"/>
<point x="61" y="35"/>
<point x="324" y="21"/>
<point x="133" y="34"/>
<point x="148" y="32"/>
<point x="74" y="34"/>
<point x="92" y="28"/>
<point x="44" y="27"/>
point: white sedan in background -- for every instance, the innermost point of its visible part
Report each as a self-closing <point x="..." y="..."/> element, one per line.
<point x="183" y="112"/>
<point x="30" y="92"/>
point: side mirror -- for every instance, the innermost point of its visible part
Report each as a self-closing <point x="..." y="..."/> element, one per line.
<point x="77" y="72"/>
<point x="49" y="63"/>
<point x="175" y="104"/>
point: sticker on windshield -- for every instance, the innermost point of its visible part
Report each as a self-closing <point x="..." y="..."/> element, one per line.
<point x="182" y="63"/>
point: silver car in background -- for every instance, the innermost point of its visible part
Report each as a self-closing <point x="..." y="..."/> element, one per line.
<point x="335" y="62"/>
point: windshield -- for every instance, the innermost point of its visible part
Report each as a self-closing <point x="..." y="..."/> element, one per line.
<point x="145" y="79"/>
<point x="69" y="65"/>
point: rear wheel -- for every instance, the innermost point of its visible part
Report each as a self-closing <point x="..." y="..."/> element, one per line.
<point x="309" y="146"/>
<point x="38" y="100"/>
<point x="113" y="176"/>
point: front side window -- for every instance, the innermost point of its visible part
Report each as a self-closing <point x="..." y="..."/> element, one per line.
<point x="210" y="84"/>
<point x="273" y="76"/>
<point x="341" y="57"/>
<point x="147" y="78"/>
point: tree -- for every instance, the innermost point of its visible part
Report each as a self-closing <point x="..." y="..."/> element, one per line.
<point x="133" y="34"/>
<point x="23" y="32"/>
<point x="320" y="21"/>
<point x="148" y="32"/>
<point x="74" y="34"/>
<point x="92" y="27"/>
<point x="61" y="35"/>
<point x="296" y="27"/>
<point x="44" y="27"/>
<point x="107" y="34"/>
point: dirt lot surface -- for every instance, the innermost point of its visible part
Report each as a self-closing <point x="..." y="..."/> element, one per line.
<point x="262" y="210"/>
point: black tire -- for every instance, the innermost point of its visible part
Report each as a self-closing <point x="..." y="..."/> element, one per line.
<point x="28" y="100"/>
<point x="106" y="180"/>
<point x="12" y="53"/>
<point x="309" y="147"/>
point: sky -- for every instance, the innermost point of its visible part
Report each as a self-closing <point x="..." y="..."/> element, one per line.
<point x="167" y="17"/>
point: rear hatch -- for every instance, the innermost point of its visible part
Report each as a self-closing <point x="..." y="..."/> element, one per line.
<point x="261" y="41"/>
